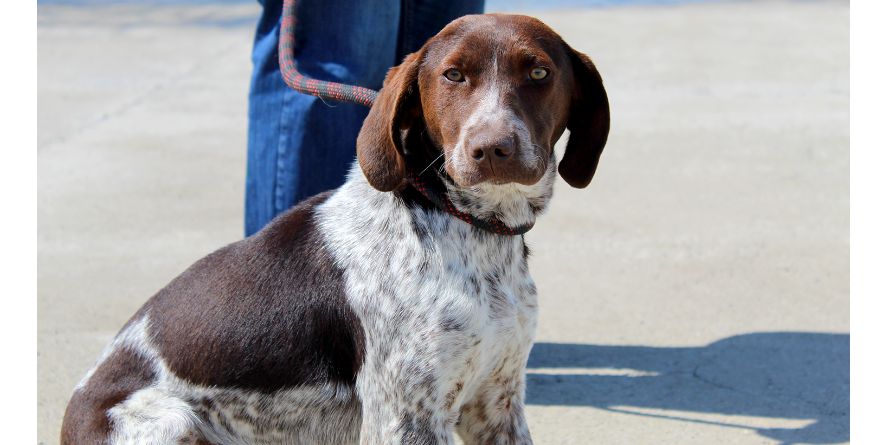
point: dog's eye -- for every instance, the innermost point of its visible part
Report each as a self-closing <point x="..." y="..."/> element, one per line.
<point x="538" y="73"/>
<point x="454" y="75"/>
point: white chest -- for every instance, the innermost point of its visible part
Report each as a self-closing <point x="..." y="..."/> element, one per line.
<point x="458" y="299"/>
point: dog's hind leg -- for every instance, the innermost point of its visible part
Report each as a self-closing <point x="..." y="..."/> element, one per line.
<point x="152" y="416"/>
<point x="119" y="403"/>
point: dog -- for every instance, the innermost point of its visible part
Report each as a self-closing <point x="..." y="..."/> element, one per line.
<point x="395" y="309"/>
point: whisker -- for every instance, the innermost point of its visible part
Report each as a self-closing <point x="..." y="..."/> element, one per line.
<point x="432" y="163"/>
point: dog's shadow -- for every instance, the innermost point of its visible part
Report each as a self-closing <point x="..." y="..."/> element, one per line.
<point x="798" y="381"/>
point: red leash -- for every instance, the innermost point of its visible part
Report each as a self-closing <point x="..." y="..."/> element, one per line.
<point x="326" y="90"/>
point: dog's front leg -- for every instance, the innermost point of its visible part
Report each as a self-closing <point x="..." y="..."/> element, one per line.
<point x="405" y="408"/>
<point x="496" y="414"/>
<point x="404" y="425"/>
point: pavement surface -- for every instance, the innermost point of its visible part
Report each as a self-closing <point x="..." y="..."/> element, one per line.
<point x="696" y="293"/>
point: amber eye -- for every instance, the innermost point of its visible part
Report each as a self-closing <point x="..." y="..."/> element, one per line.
<point x="538" y="73"/>
<point x="454" y="75"/>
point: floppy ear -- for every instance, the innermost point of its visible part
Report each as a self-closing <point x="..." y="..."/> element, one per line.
<point x="380" y="142"/>
<point x="588" y="122"/>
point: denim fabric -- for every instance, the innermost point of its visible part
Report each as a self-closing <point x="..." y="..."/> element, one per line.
<point x="298" y="144"/>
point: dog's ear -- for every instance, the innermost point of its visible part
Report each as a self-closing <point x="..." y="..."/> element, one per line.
<point x="380" y="142"/>
<point x="588" y="122"/>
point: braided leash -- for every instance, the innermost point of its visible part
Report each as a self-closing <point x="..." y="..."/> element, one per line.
<point x="365" y="96"/>
<point x="323" y="89"/>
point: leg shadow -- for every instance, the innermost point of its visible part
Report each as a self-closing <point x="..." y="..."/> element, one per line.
<point x="783" y="375"/>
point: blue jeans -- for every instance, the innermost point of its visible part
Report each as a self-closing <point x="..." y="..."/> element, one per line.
<point x="298" y="144"/>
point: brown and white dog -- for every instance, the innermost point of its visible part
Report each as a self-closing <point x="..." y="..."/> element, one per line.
<point x="395" y="309"/>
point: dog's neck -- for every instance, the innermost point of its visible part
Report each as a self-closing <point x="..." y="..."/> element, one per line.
<point x="434" y="193"/>
<point x="516" y="205"/>
<point x="513" y="204"/>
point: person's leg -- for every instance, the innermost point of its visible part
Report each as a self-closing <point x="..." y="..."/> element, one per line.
<point x="299" y="145"/>
<point x="422" y="19"/>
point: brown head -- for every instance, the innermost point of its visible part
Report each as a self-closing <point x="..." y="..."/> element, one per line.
<point x="494" y="93"/>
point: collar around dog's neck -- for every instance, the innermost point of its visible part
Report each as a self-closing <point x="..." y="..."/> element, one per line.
<point x="436" y="193"/>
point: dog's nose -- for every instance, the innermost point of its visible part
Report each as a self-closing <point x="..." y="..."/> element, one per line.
<point x="497" y="151"/>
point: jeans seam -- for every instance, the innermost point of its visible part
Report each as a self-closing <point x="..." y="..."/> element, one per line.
<point x="284" y="125"/>
<point x="407" y="20"/>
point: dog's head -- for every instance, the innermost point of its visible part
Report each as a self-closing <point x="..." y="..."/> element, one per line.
<point x="493" y="93"/>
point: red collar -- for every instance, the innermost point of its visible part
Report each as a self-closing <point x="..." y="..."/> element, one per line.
<point x="435" y="194"/>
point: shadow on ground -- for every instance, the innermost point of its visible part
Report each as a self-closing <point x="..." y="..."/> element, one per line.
<point x="801" y="378"/>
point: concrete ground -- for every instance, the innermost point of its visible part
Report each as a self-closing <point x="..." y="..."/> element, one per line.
<point x="696" y="293"/>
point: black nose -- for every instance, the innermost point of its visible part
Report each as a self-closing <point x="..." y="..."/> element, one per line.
<point x="497" y="151"/>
